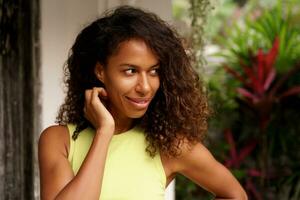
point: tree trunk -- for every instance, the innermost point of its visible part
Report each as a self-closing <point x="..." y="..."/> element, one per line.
<point x="19" y="89"/>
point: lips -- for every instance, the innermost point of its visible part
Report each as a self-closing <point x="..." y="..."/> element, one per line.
<point x="140" y="103"/>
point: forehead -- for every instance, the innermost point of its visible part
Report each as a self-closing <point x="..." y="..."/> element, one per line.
<point x="132" y="44"/>
<point x="134" y="51"/>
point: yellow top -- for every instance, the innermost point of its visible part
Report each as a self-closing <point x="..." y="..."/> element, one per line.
<point x="130" y="173"/>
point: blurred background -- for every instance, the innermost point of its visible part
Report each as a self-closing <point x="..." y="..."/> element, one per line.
<point x="247" y="53"/>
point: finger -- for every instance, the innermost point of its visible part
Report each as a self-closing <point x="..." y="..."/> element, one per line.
<point x="87" y="100"/>
<point x="88" y="95"/>
<point x="103" y="95"/>
<point x="96" y="94"/>
<point x="101" y="92"/>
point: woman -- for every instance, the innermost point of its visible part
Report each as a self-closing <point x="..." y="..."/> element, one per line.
<point x="133" y="117"/>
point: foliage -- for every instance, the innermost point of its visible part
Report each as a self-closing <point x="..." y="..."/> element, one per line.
<point x="222" y="10"/>
<point x="260" y="33"/>
<point x="263" y="80"/>
<point x="179" y="9"/>
<point x="187" y="190"/>
<point x="255" y="95"/>
<point x="199" y="12"/>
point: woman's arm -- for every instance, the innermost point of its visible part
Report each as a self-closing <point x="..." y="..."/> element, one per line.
<point x="201" y="167"/>
<point x="57" y="179"/>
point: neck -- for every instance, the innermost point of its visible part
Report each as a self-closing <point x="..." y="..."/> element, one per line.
<point x="122" y="123"/>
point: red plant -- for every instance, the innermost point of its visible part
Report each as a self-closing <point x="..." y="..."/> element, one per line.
<point x="235" y="160"/>
<point x="259" y="78"/>
<point x="260" y="88"/>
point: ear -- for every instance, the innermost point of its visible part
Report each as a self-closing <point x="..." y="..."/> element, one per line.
<point x="99" y="72"/>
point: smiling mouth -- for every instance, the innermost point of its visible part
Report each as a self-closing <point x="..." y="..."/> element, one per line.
<point x="139" y="102"/>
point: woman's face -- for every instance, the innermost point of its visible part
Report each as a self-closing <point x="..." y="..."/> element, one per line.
<point x="130" y="78"/>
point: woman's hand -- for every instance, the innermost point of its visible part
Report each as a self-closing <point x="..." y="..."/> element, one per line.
<point x="95" y="110"/>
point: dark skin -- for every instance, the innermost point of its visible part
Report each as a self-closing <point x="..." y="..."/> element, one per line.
<point x="131" y="82"/>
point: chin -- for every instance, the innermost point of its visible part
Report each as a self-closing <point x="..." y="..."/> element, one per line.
<point x="136" y="115"/>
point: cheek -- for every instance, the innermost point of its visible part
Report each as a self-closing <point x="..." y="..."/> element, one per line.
<point x="156" y="85"/>
<point x="120" y="86"/>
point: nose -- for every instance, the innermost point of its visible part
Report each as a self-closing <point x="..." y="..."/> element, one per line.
<point x="143" y="85"/>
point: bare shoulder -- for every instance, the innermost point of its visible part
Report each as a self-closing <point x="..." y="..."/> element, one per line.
<point x="190" y="154"/>
<point x="55" y="169"/>
<point x="55" y="138"/>
<point x="198" y="164"/>
<point x="188" y="149"/>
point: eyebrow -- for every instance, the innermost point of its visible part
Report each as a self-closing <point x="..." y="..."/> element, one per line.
<point x="136" y="66"/>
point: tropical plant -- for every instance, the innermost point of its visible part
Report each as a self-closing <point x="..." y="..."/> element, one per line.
<point x="263" y="80"/>
<point x="255" y="96"/>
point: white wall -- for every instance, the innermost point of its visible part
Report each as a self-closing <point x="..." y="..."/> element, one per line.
<point x="161" y="7"/>
<point x="61" y="20"/>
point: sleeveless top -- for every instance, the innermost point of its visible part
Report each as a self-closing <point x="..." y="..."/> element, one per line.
<point x="130" y="173"/>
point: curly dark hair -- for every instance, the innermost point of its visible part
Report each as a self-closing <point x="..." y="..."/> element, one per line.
<point x="179" y="110"/>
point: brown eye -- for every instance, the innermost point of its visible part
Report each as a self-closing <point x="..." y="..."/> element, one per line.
<point x="130" y="71"/>
<point x="154" y="72"/>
